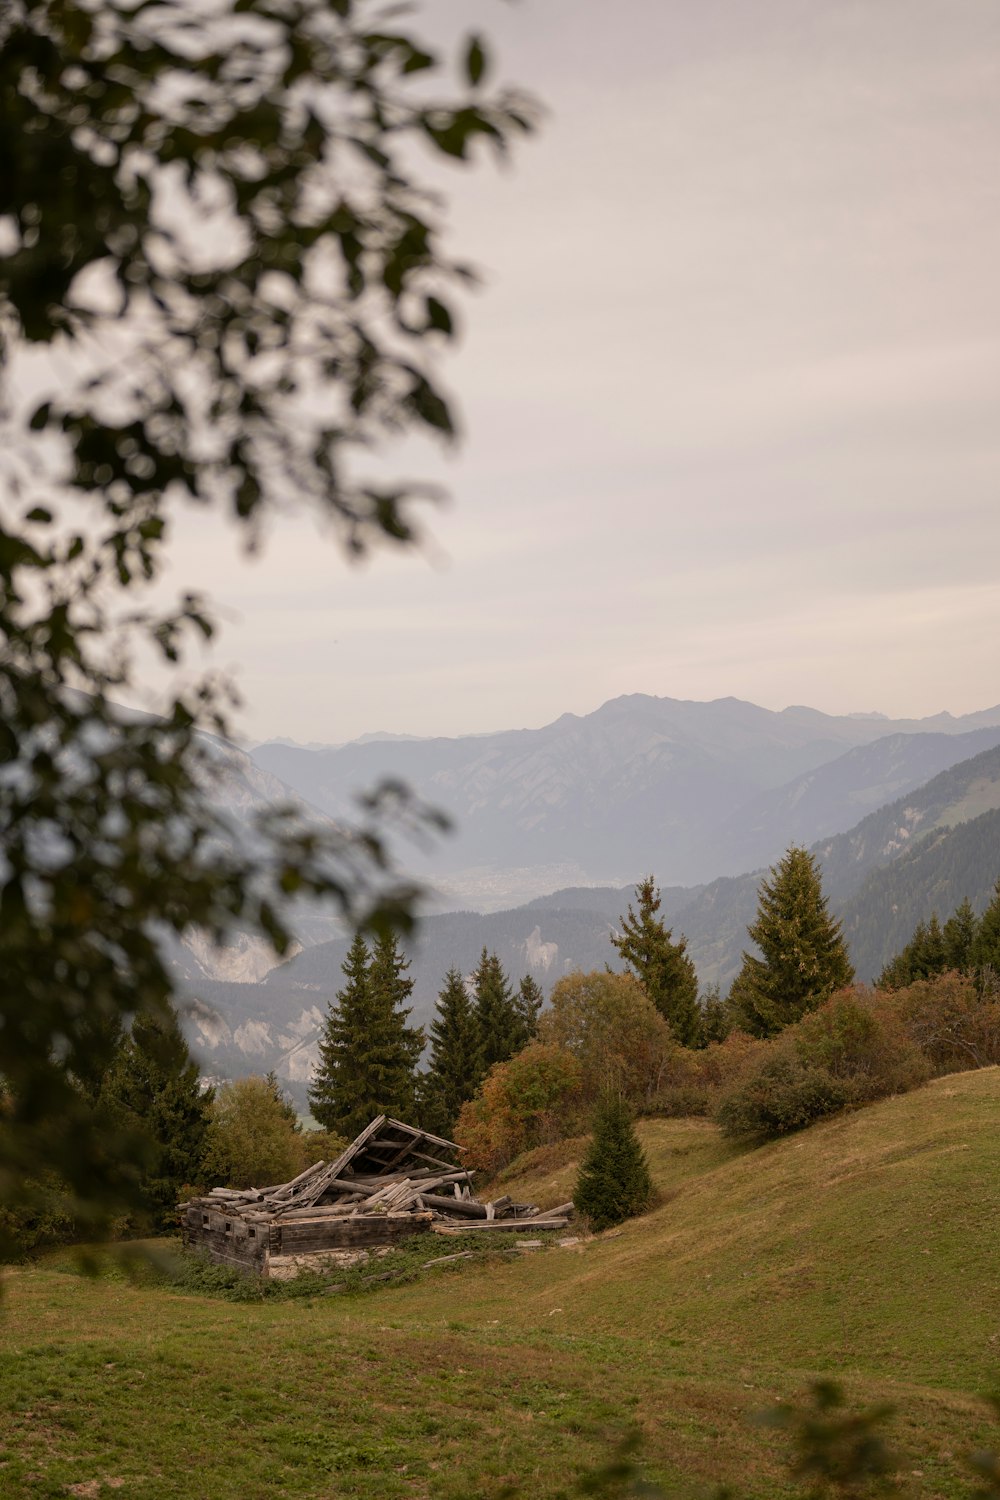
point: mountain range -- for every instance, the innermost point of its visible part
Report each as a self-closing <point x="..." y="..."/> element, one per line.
<point x="694" y="790"/>
<point x="928" y="835"/>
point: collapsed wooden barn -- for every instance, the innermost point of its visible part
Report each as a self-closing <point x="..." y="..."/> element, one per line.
<point x="392" y="1181"/>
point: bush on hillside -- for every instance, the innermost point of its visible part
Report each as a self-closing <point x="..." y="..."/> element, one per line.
<point x="609" y="1024"/>
<point x="251" y="1140"/>
<point x="953" y="1020"/>
<point x="614" y="1182"/>
<point x="781" y="1095"/>
<point x="693" y="1080"/>
<point x="854" y="1039"/>
<point x="532" y="1100"/>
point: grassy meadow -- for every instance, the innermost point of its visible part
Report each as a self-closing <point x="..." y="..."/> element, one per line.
<point x="865" y="1248"/>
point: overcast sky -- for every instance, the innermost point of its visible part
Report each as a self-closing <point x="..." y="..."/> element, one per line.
<point x="730" y="392"/>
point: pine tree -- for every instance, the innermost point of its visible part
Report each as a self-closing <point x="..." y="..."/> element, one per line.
<point x="502" y="1031"/>
<point x="661" y="966"/>
<point x="985" y="949"/>
<point x="456" y="1061"/>
<point x="614" y="1181"/>
<point x="367" y="1052"/>
<point x="528" y="1003"/>
<point x="153" y="1087"/>
<point x="960" y="936"/>
<point x="803" y="954"/>
<point x="333" y="1093"/>
<point x="716" y="1017"/>
<point x="924" y="957"/>
<point x="285" y="1105"/>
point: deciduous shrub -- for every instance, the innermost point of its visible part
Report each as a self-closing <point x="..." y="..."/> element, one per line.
<point x="251" y="1141"/>
<point x="613" y="1029"/>
<point x="953" y="1019"/>
<point x="532" y="1100"/>
<point x="856" y="1040"/>
<point x="781" y="1095"/>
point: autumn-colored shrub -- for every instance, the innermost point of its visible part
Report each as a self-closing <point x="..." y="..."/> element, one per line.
<point x="532" y="1100"/>
<point x="855" y="1039"/>
<point x="609" y="1024"/>
<point x="781" y="1095"/>
<point x="953" y="1019"/>
<point x="251" y="1141"/>
<point x="850" y="1051"/>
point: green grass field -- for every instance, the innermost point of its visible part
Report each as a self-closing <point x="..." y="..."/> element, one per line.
<point x="865" y="1248"/>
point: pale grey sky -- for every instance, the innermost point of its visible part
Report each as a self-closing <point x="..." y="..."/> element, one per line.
<point x="730" y="392"/>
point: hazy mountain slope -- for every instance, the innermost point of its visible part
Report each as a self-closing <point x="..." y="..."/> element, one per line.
<point x="833" y="797"/>
<point x="640" y="782"/>
<point x="956" y="795"/>
<point x="715" y="920"/>
<point x="941" y="869"/>
<point x="241" y="1028"/>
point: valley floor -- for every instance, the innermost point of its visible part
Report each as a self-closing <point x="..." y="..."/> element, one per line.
<point x="864" y="1249"/>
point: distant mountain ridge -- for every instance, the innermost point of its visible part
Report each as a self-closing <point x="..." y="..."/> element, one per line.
<point x="642" y="782"/>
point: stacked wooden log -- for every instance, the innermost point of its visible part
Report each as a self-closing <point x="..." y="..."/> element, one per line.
<point x="392" y="1179"/>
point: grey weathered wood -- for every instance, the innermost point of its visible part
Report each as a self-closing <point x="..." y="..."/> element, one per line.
<point x="554" y="1213"/>
<point x="502" y="1225"/>
<point x="464" y="1206"/>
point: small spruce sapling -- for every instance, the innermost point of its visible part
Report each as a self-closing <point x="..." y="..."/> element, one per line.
<point x="614" y="1181"/>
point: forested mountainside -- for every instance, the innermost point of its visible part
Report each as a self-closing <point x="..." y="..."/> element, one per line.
<point x="868" y="857"/>
<point x="830" y="799"/>
<point x="935" y="875"/>
<point x="640" y="781"/>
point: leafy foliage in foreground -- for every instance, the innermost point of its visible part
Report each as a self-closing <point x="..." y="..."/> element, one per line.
<point x="213" y="222"/>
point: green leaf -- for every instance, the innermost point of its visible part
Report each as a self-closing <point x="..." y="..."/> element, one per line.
<point x="40" y="514"/>
<point x="438" y="316"/>
<point x="475" y="61"/>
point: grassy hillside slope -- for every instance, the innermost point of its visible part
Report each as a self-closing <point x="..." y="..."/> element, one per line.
<point x="865" y="1247"/>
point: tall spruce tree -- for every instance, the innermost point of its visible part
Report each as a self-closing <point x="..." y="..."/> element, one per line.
<point x="153" y="1089"/>
<point x="614" y="1181"/>
<point x="661" y="966"/>
<point x="985" y="949"/>
<point x="502" y="1030"/>
<point x="960" y="936"/>
<point x="803" y="957"/>
<point x="528" y="1003"/>
<point x="367" y="1053"/>
<point x="455" y="1069"/>
<point x="924" y="957"/>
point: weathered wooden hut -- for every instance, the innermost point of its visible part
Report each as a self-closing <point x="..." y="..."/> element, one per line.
<point x="392" y="1181"/>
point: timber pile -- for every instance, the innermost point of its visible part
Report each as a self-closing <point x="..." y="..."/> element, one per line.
<point x="392" y="1180"/>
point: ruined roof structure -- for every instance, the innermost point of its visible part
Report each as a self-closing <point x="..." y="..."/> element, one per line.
<point x="392" y="1181"/>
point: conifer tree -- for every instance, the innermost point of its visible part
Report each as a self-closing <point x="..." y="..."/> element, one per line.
<point x="502" y="1030"/>
<point x="716" y="1017"/>
<point x="959" y="937"/>
<point x="153" y="1087"/>
<point x="924" y="957"/>
<point x="367" y="1052"/>
<point x="528" y="1003"/>
<point x="661" y="966"/>
<point x="803" y="954"/>
<point x="456" y="1060"/>
<point x="614" y="1181"/>
<point x="985" y="948"/>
